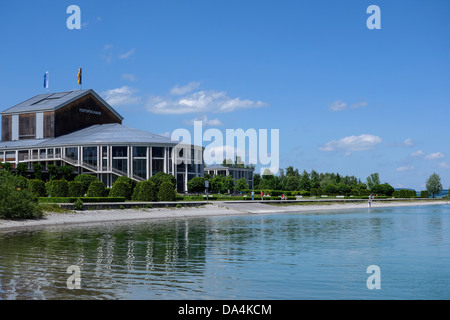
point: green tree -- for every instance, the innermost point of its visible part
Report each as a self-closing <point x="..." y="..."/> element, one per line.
<point x="304" y="183"/>
<point x="37" y="187"/>
<point x="17" y="202"/>
<point x="196" y="185"/>
<point x="85" y="180"/>
<point x="167" y="192"/>
<point x="434" y="185"/>
<point x="96" y="189"/>
<point x="372" y="180"/>
<point x="331" y="189"/>
<point x="228" y="184"/>
<point x="37" y="168"/>
<point x="216" y="184"/>
<point x="22" y="169"/>
<point x="145" y="191"/>
<point x="7" y="166"/>
<point x="120" y="189"/>
<point x="52" y="171"/>
<point x="66" y="172"/>
<point x="291" y="183"/>
<point x="256" y="180"/>
<point x="161" y="177"/>
<point x="241" y="184"/>
<point x="76" y="189"/>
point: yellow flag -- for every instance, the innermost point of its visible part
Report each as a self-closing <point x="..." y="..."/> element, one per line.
<point x="80" y="76"/>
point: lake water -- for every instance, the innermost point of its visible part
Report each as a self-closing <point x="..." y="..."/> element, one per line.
<point x="275" y="256"/>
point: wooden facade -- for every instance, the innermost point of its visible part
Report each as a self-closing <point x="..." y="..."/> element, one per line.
<point x="6" y="128"/>
<point x="79" y="114"/>
<point x="27" y="126"/>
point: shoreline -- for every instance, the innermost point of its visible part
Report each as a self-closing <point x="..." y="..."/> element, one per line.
<point x="209" y="210"/>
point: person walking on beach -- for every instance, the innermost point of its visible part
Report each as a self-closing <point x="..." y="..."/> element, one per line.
<point x="370" y="200"/>
<point x="262" y="195"/>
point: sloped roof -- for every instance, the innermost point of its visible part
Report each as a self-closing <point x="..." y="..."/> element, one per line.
<point x="54" y="101"/>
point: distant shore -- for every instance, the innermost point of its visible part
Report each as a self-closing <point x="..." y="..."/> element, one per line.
<point x="211" y="209"/>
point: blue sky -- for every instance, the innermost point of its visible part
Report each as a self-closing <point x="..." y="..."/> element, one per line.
<point x="345" y="98"/>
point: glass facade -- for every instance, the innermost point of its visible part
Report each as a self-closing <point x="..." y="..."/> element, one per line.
<point x="90" y="156"/>
<point x="72" y="153"/>
<point x="140" y="168"/>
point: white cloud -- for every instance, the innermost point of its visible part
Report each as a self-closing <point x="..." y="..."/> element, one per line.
<point x="433" y="156"/>
<point x="107" y="46"/>
<point x="444" y="165"/>
<point x="179" y="91"/>
<point x="200" y="102"/>
<point x="417" y="154"/>
<point x="352" y="143"/>
<point x="129" y="77"/>
<point x="127" y="54"/>
<point x="409" y="142"/>
<point x="123" y="96"/>
<point x="340" y="105"/>
<point x="405" y="168"/>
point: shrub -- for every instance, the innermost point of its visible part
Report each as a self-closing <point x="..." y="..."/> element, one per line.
<point x="85" y="180"/>
<point x="16" y="202"/>
<point x="123" y="187"/>
<point x="37" y="168"/>
<point x="37" y="187"/>
<point x="145" y="191"/>
<point x="405" y="193"/>
<point x="120" y="189"/>
<point x="161" y="177"/>
<point x="424" y="194"/>
<point x="167" y="192"/>
<point x="57" y="188"/>
<point x="22" y="169"/>
<point x="96" y="189"/>
<point x="78" y="205"/>
<point x="196" y="185"/>
<point x="76" y="189"/>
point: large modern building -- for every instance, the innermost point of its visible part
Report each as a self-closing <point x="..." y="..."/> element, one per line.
<point x="80" y="129"/>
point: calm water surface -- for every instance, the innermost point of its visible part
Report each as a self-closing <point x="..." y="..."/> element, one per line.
<point x="279" y="256"/>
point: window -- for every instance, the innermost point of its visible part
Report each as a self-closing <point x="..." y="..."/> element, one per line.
<point x="158" y="152"/>
<point x="72" y="153"/>
<point x="120" y="164"/>
<point x="90" y="155"/>
<point x="140" y="168"/>
<point x="120" y="152"/>
<point x="140" y="152"/>
<point x="157" y="166"/>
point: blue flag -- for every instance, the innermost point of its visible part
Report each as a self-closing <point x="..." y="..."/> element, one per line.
<point x="46" y="80"/>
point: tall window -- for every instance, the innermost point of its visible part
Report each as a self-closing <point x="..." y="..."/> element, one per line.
<point x="72" y="153"/>
<point x="90" y="155"/>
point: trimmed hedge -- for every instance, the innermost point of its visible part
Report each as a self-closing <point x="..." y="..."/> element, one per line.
<point x="76" y="189"/>
<point x="84" y="199"/>
<point x="167" y="192"/>
<point x="145" y="191"/>
<point x="57" y="188"/>
<point x="96" y="189"/>
<point x="120" y="189"/>
<point x="37" y="187"/>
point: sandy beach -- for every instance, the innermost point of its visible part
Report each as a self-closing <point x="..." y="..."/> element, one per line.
<point x="212" y="209"/>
